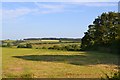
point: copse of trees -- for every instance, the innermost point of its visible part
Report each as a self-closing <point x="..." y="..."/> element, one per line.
<point x="103" y="34"/>
<point x="8" y="44"/>
<point x="28" y="46"/>
<point x="24" y="45"/>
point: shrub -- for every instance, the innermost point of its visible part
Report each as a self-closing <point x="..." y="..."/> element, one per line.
<point x="24" y="46"/>
<point x="28" y="46"/>
<point x="115" y="76"/>
<point x="56" y="47"/>
<point x="8" y="45"/>
<point x="21" y="46"/>
<point x="28" y="75"/>
<point x="44" y="48"/>
<point x="4" y="45"/>
<point x="50" y="48"/>
<point x="67" y="47"/>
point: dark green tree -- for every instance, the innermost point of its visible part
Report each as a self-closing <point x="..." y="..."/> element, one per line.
<point x="8" y="44"/>
<point x="104" y="32"/>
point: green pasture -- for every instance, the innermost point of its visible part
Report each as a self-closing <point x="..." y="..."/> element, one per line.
<point x="43" y="63"/>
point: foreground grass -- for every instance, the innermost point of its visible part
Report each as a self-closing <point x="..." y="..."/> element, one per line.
<point x="43" y="63"/>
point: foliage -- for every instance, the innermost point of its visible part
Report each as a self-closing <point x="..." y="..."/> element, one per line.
<point x="74" y="47"/>
<point x="103" y="34"/>
<point x="7" y="44"/>
<point x="21" y="46"/>
<point x="28" y="45"/>
<point x="61" y="39"/>
<point x="43" y="47"/>
<point x="24" y="46"/>
<point x="115" y="76"/>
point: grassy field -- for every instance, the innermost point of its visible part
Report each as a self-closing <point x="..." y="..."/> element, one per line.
<point x="43" y="63"/>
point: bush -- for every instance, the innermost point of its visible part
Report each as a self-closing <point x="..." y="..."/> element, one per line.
<point x="4" y="45"/>
<point x="8" y="45"/>
<point x="68" y="47"/>
<point x="24" y="46"/>
<point x="28" y="46"/>
<point x="44" y="48"/>
<point x="115" y="76"/>
<point x="36" y="48"/>
<point x="21" y="46"/>
<point x="56" y="47"/>
<point x="50" y="48"/>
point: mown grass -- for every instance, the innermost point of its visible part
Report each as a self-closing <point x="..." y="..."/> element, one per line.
<point x="43" y="63"/>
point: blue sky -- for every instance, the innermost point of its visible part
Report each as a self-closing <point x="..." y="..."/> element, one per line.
<point x="50" y="19"/>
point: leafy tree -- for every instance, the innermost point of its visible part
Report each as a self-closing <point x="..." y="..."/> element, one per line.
<point x="104" y="32"/>
<point x="8" y="44"/>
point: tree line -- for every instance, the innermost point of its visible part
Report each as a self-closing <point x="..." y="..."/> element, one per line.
<point x="74" y="39"/>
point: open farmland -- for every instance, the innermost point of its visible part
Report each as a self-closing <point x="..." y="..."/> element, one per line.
<point x="43" y="44"/>
<point x="44" y="63"/>
<point x="41" y="41"/>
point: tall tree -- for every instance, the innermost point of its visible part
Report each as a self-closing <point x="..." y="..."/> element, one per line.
<point x="105" y="32"/>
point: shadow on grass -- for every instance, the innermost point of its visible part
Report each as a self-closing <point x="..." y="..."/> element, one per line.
<point x="70" y="59"/>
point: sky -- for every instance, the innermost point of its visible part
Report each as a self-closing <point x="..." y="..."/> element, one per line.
<point x="50" y="19"/>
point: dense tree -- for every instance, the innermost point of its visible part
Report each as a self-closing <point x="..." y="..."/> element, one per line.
<point x="104" y="33"/>
<point x="8" y="44"/>
<point x="21" y="46"/>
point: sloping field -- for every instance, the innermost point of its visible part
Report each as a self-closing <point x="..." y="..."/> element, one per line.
<point x="43" y="63"/>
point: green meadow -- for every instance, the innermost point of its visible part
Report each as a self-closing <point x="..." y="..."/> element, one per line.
<point x="45" y="63"/>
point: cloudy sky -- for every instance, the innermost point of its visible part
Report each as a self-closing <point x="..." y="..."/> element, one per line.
<point x="50" y="19"/>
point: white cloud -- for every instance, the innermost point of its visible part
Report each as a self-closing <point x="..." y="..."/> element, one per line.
<point x="47" y="8"/>
<point x="100" y="4"/>
<point x="14" y="13"/>
<point x="50" y="8"/>
<point x="95" y="4"/>
<point x="40" y="9"/>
